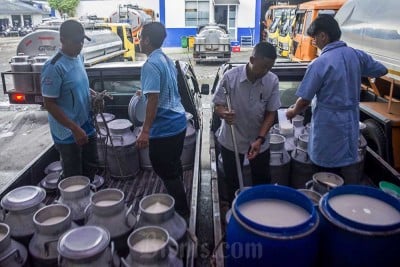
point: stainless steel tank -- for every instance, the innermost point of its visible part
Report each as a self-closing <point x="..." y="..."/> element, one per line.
<point x="47" y="42"/>
<point x="135" y="17"/>
<point x="373" y="28"/>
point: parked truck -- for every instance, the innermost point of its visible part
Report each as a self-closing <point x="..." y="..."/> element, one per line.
<point x="109" y="42"/>
<point x="212" y="44"/>
<point x="206" y="225"/>
<point x="121" y="80"/>
<point x="135" y="16"/>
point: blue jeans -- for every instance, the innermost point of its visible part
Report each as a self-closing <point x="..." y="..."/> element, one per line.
<point x="79" y="160"/>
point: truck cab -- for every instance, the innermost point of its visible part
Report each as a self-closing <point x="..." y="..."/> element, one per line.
<point x="302" y="48"/>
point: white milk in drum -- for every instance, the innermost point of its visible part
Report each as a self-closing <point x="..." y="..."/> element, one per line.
<point x="274" y="212"/>
<point x="364" y="209"/>
<point x="148" y="245"/>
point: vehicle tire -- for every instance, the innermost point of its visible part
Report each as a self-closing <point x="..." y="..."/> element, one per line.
<point x="375" y="136"/>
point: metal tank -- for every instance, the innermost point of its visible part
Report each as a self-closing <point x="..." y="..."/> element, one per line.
<point x="135" y="17"/>
<point x="47" y="42"/>
<point x="279" y="161"/>
<point x="377" y="32"/>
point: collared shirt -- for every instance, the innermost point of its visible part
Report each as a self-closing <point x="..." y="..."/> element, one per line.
<point x="333" y="82"/>
<point x="65" y="79"/>
<point x="159" y="75"/>
<point x="250" y="101"/>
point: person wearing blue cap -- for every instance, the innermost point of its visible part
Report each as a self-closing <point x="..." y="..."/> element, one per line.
<point x="66" y="96"/>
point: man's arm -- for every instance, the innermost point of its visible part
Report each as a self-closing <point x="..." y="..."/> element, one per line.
<point x="79" y="134"/>
<point x="255" y="146"/>
<point x="151" y="111"/>
<point x="300" y="105"/>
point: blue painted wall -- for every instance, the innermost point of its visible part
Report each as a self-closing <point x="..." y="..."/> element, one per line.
<point x="174" y="36"/>
<point x="257" y="22"/>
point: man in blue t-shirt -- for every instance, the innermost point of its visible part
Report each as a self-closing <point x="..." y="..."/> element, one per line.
<point x="164" y="127"/>
<point x="66" y="95"/>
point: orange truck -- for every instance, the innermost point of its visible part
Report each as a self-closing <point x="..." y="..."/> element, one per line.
<point x="302" y="48"/>
<point x="274" y="13"/>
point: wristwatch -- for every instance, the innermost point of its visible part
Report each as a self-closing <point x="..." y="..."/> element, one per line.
<point x="262" y="139"/>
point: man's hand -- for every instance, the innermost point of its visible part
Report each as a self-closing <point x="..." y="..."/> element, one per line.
<point x="229" y="117"/>
<point x="254" y="149"/>
<point x="80" y="136"/>
<point x="143" y="140"/>
<point x="290" y="113"/>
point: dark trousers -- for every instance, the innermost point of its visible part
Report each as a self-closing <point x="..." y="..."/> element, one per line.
<point x="165" y="156"/>
<point x="260" y="173"/>
<point x="79" y="160"/>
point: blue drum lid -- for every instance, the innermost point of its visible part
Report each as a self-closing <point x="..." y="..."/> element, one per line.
<point x="83" y="242"/>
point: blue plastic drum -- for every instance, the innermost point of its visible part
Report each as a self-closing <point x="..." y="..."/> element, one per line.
<point x="272" y="225"/>
<point x="362" y="227"/>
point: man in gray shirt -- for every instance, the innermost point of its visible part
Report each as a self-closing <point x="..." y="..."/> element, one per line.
<point x="254" y="94"/>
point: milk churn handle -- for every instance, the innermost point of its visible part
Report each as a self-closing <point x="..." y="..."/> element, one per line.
<point x="299" y="148"/>
<point x="2" y="214"/>
<point x="309" y="184"/>
<point x="112" y="252"/>
<point x="129" y="211"/>
<point x="93" y="187"/>
<point x="18" y="257"/>
<point x="47" y="244"/>
<point x="59" y="260"/>
<point x="124" y="263"/>
<point x="87" y="212"/>
<point x="174" y="245"/>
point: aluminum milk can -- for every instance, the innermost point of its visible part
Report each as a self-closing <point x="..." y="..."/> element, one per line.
<point x="108" y="210"/>
<point x="18" y="208"/>
<point x="279" y="160"/>
<point x="122" y="155"/>
<point x="102" y="136"/>
<point x="12" y="253"/>
<point x="85" y="246"/>
<point x="75" y="193"/>
<point x="50" y="223"/>
<point x="152" y="246"/>
<point x="158" y="210"/>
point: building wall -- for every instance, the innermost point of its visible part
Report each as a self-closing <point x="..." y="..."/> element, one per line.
<point x="172" y="15"/>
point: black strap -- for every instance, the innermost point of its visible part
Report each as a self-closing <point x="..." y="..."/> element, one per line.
<point x="56" y="58"/>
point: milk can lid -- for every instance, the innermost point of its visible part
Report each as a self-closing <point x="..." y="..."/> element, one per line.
<point x="83" y="242"/>
<point x="23" y="197"/>
<point x="119" y="124"/>
<point x="137" y="110"/>
<point x="53" y="167"/>
<point x="107" y="117"/>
